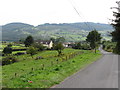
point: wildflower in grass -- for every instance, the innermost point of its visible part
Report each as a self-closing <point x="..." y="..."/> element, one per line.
<point x="30" y="81"/>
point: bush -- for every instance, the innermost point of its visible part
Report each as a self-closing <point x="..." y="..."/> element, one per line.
<point x="86" y="47"/>
<point x="31" y="50"/>
<point x="56" y="69"/>
<point x="39" y="46"/>
<point x="77" y="45"/>
<point x="109" y="46"/>
<point x="59" y="47"/>
<point x="9" y="60"/>
<point x="9" y="45"/>
<point x="7" y="50"/>
<point x="83" y="46"/>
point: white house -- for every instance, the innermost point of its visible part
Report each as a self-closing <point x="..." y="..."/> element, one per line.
<point x="48" y="44"/>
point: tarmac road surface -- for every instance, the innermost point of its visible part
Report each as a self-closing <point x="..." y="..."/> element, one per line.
<point x="101" y="74"/>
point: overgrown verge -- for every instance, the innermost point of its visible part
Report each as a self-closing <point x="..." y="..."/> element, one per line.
<point x="109" y="46"/>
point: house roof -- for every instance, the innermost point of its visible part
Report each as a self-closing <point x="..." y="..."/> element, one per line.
<point x="43" y="41"/>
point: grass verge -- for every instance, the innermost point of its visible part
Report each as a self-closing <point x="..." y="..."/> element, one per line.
<point x="32" y="73"/>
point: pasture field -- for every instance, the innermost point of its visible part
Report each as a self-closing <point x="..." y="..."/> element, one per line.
<point x="46" y="72"/>
<point x="14" y="46"/>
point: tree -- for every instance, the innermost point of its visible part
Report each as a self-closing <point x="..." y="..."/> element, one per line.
<point x="29" y="41"/>
<point x="7" y="50"/>
<point x="52" y="39"/>
<point x="39" y="46"/>
<point x="9" y="45"/>
<point x="93" y="37"/>
<point x="77" y="45"/>
<point x="21" y="40"/>
<point x="59" y="47"/>
<point x="60" y="40"/>
<point x="116" y="24"/>
<point x="31" y="50"/>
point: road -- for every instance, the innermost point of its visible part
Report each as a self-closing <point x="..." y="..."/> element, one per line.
<point x="101" y="74"/>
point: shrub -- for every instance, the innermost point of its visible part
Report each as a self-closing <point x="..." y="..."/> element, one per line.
<point x="56" y="69"/>
<point x="7" y="50"/>
<point x="31" y="50"/>
<point x="39" y="46"/>
<point x="59" y="47"/>
<point x="109" y="46"/>
<point x="86" y="47"/>
<point x="83" y="46"/>
<point x="73" y="61"/>
<point x="77" y="45"/>
<point x="9" y="60"/>
<point x="9" y="45"/>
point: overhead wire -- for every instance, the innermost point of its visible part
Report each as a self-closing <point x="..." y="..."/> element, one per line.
<point x="89" y="26"/>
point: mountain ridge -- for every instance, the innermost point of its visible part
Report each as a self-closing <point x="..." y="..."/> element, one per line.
<point x="71" y="31"/>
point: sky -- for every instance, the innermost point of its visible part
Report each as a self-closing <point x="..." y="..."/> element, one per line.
<point x="36" y="12"/>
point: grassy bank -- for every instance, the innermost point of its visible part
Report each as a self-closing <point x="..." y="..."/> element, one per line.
<point x="46" y="72"/>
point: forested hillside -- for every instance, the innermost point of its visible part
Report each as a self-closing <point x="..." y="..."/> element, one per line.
<point x="70" y="31"/>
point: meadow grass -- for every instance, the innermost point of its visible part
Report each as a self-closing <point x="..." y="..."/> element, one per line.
<point x="46" y="72"/>
<point x="14" y="46"/>
<point x="17" y="52"/>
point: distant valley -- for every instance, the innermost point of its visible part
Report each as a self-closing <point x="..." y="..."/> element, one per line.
<point x="70" y="31"/>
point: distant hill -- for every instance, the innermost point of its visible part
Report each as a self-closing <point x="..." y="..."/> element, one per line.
<point x="71" y="31"/>
<point x="78" y="26"/>
<point x="15" y="31"/>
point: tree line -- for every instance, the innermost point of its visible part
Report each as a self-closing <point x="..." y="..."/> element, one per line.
<point x="116" y="24"/>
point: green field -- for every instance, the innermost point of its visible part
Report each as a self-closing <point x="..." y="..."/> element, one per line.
<point x="17" y="52"/>
<point x="14" y="46"/>
<point x="46" y="72"/>
<point x="20" y="46"/>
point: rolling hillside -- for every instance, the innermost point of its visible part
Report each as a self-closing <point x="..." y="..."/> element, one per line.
<point x="71" y="31"/>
